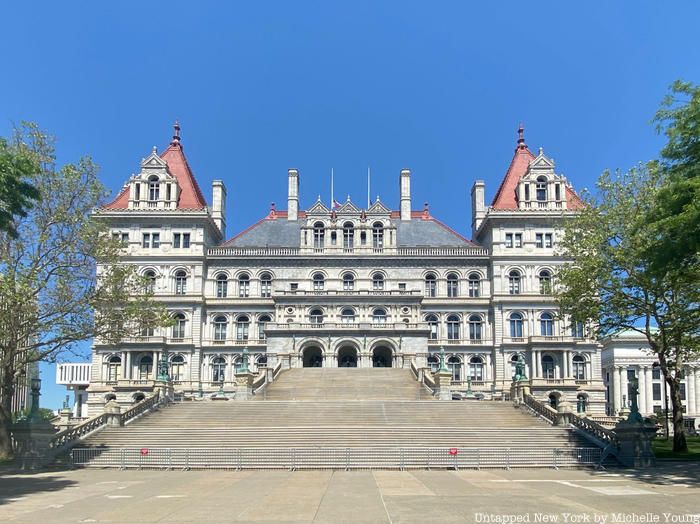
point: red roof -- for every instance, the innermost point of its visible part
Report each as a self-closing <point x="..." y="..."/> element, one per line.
<point x="505" y="196"/>
<point x="190" y="196"/>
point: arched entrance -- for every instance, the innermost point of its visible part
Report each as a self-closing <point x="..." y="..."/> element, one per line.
<point x="313" y="357"/>
<point x="382" y="357"/>
<point x="347" y="357"/>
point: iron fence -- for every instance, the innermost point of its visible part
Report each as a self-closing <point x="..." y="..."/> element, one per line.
<point x="334" y="458"/>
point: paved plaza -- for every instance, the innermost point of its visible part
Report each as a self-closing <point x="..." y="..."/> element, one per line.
<point x="670" y="493"/>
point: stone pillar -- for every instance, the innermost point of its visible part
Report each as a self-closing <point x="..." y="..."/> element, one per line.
<point x="649" y="389"/>
<point x="113" y="412"/>
<point x="533" y="366"/>
<point x="616" y="395"/>
<point x="697" y="390"/>
<point x="642" y="399"/>
<point x="538" y="363"/>
<point x="690" y="390"/>
<point x="624" y="386"/>
<point x="635" y="443"/>
<point x="564" y="411"/>
<point x="244" y="385"/>
<point x="443" y="380"/>
<point x="566" y="358"/>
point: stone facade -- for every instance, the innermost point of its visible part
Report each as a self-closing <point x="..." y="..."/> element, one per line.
<point x="349" y="286"/>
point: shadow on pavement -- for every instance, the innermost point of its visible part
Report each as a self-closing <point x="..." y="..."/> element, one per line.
<point x="665" y="473"/>
<point x="17" y="485"/>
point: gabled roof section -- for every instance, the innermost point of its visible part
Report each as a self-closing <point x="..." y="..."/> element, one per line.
<point x="505" y="196"/>
<point x="190" y="195"/>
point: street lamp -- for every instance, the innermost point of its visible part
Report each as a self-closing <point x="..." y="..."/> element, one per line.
<point x="35" y="385"/>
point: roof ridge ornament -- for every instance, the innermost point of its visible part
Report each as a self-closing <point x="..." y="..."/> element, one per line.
<point x="521" y="137"/>
<point x="176" y="134"/>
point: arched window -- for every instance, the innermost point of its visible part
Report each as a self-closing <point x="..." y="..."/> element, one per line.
<point x="578" y="329"/>
<point x="319" y="282"/>
<point x="319" y="235"/>
<point x="177" y="368"/>
<point x="146" y="367"/>
<point x="553" y="400"/>
<point x="378" y="282"/>
<point x="218" y="369"/>
<point x="221" y="286"/>
<point x="150" y="283"/>
<point x="114" y="366"/>
<point x="316" y="316"/>
<point x="179" y="326"/>
<point x="244" y="285"/>
<point x="514" y="282"/>
<point x="430" y="285"/>
<point x="546" y="325"/>
<point x="452" y="285"/>
<point x="242" y="327"/>
<point x="474" y="285"/>
<point x="153" y="188"/>
<point x="262" y="322"/>
<point x="378" y="235"/>
<point x="454" y="364"/>
<point x="579" y="365"/>
<point x="516" y="325"/>
<point x="348" y="282"/>
<point x="266" y="285"/>
<point x="434" y="363"/>
<point x="180" y="282"/>
<point x="261" y="362"/>
<point x="347" y="316"/>
<point x="379" y="316"/>
<point x="220" y="328"/>
<point x="545" y="282"/>
<point x="432" y="321"/>
<point x="453" y="327"/>
<point x="476" y="369"/>
<point x="348" y="236"/>
<point x="547" y="366"/>
<point x="475" y="327"/>
<point x="541" y="188"/>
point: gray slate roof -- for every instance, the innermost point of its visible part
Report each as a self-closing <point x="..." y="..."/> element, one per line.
<point x="283" y="233"/>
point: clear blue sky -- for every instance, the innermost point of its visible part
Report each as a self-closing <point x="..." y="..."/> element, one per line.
<point x="259" y="87"/>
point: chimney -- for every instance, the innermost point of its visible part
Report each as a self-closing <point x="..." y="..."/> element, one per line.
<point x="218" y="208"/>
<point x="405" y="186"/>
<point x="478" y="207"/>
<point x="293" y="199"/>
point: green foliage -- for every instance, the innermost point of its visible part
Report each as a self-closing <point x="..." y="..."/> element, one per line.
<point x="17" y="195"/>
<point x="675" y="217"/>
<point x="44" y="413"/>
<point x="50" y="298"/>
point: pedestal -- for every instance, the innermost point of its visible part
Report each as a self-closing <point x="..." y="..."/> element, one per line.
<point x="443" y="380"/>
<point x="564" y="411"/>
<point x="635" y="443"/>
<point x="113" y="411"/>
<point x="32" y="438"/>
<point x="165" y="389"/>
<point x="244" y="385"/>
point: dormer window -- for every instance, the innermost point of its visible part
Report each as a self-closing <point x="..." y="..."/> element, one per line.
<point x="541" y="189"/>
<point x="153" y="188"/>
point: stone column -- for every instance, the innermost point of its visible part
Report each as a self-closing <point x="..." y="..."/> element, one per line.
<point x="697" y="389"/>
<point x="124" y="368"/>
<point x="538" y="363"/>
<point x="616" y="395"/>
<point x="642" y="398"/>
<point x="533" y="367"/>
<point x="567" y="364"/>
<point x="623" y="386"/>
<point x="649" y="388"/>
<point x="127" y="369"/>
<point x="690" y="390"/>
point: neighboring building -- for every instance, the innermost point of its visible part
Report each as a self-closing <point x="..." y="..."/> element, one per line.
<point x="76" y="377"/>
<point x="627" y="355"/>
<point x="22" y="396"/>
<point x="349" y="286"/>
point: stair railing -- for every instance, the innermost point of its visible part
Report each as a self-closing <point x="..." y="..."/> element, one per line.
<point x="546" y="412"/>
<point x="424" y="378"/>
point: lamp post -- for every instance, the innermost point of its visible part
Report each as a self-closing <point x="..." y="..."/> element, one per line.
<point x="35" y="386"/>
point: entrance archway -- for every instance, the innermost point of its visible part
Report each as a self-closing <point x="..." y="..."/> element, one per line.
<point x="347" y="357"/>
<point x="313" y="357"/>
<point x="382" y="357"/>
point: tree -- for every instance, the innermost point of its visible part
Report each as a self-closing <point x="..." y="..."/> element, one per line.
<point x="676" y="216"/>
<point x="611" y="280"/>
<point x="17" y="195"/>
<point x="50" y="296"/>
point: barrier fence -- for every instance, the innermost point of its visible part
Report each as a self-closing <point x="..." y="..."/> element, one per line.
<point x="334" y="458"/>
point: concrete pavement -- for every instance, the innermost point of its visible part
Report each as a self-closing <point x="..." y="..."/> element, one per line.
<point x="668" y="494"/>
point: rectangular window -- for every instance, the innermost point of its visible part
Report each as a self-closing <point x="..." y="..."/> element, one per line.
<point x="539" y="240"/>
<point x="509" y="240"/>
<point x="656" y="373"/>
<point x="557" y="192"/>
<point x="155" y="240"/>
<point x="656" y="391"/>
<point x="363" y="238"/>
<point x="293" y="286"/>
<point x="334" y="238"/>
<point x="683" y="391"/>
<point x="176" y="240"/>
<point x="631" y="374"/>
<point x="518" y="240"/>
<point x="402" y="286"/>
<point x="547" y="240"/>
<point x="123" y="238"/>
<point x="146" y="242"/>
<point x="527" y="192"/>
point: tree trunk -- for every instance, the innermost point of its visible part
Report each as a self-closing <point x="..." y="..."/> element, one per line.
<point x="6" y="392"/>
<point x="679" y="442"/>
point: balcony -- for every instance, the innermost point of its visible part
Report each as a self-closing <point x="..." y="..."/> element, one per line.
<point x="346" y="326"/>
<point x="235" y="342"/>
<point x="460" y="341"/>
<point x="349" y="292"/>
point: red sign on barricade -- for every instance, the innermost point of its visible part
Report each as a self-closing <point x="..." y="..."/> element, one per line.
<point x="144" y="451"/>
<point x="453" y="451"/>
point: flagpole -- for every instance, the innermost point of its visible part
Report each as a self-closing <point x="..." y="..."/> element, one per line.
<point x="368" y="197"/>
<point x="332" y="189"/>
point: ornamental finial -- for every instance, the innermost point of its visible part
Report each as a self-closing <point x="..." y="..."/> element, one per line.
<point x="176" y="133"/>
<point x="521" y="137"/>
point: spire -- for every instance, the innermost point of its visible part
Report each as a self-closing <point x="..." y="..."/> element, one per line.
<point x="176" y="134"/>
<point x="521" y="138"/>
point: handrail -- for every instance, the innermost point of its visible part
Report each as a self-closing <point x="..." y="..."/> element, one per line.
<point x="259" y="383"/>
<point x="401" y="251"/>
<point x="66" y="436"/>
<point x="140" y="408"/>
<point x="548" y="413"/>
<point x="277" y="370"/>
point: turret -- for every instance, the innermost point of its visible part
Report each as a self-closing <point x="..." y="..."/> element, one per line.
<point x="405" y="188"/>
<point x="293" y="199"/>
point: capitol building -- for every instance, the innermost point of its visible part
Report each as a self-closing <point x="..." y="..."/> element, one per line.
<point x="349" y="286"/>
